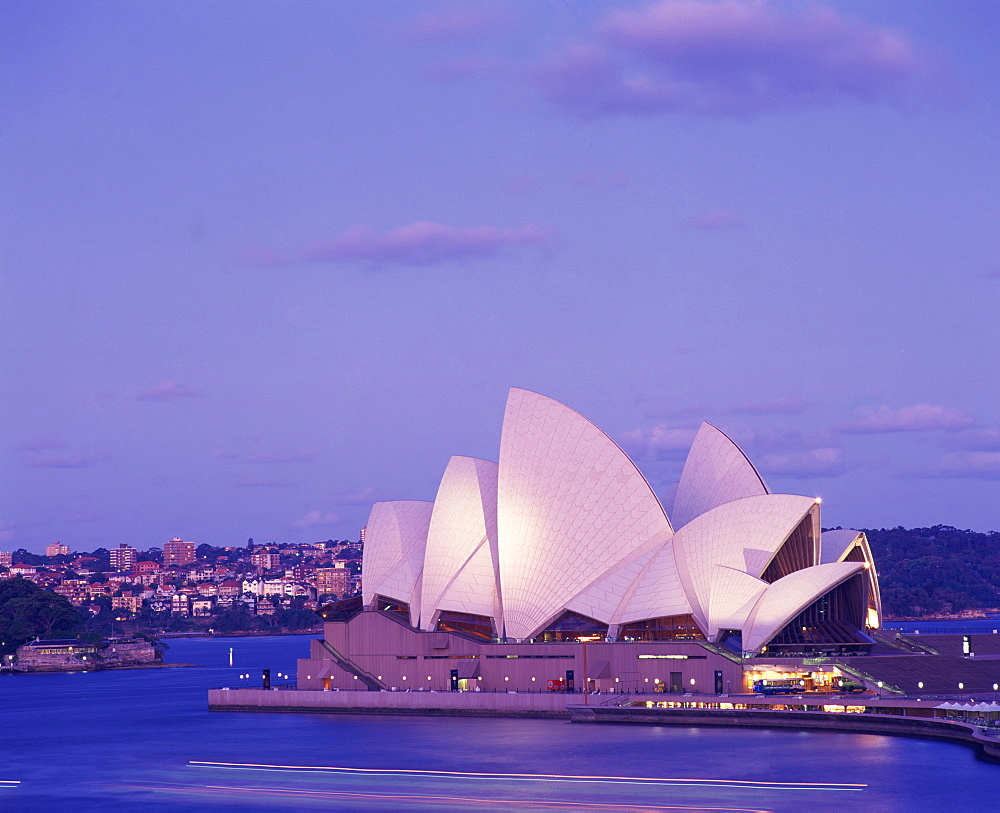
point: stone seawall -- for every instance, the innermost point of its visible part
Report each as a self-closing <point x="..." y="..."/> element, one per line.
<point x="478" y="704"/>
<point x="882" y="724"/>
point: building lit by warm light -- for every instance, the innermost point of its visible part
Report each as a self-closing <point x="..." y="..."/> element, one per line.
<point x="558" y="567"/>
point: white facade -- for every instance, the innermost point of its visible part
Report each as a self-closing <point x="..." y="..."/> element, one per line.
<point x="461" y="570"/>
<point x="565" y="523"/>
<point x="394" y="552"/>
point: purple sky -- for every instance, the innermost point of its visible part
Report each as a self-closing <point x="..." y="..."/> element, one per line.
<point x="264" y="263"/>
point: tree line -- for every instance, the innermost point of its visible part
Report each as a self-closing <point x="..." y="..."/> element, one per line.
<point x="926" y="572"/>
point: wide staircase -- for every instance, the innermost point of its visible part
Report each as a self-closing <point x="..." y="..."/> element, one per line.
<point x="372" y="683"/>
<point x="939" y="674"/>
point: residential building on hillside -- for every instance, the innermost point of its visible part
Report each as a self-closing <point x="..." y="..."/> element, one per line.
<point x="124" y="557"/>
<point x="178" y="552"/>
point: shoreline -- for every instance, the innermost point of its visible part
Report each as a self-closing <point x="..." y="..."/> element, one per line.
<point x="47" y="670"/>
<point x="235" y="634"/>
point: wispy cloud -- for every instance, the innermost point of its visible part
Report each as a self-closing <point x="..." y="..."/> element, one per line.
<point x="916" y="418"/>
<point x="458" y="22"/>
<point x="299" y="456"/>
<point x="716" y="220"/>
<point x="363" y="497"/>
<point x="258" y="482"/>
<point x="662" y="442"/>
<point x="293" y="456"/>
<point x="416" y="244"/>
<point x="44" y="444"/>
<point x="978" y="439"/>
<point x="49" y="460"/>
<point x="825" y="461"/>
<point x="974" y="465"/>
<point x="775" y="406"/>
<point x="448" y="70"/>
<point x="735" y="58"/>
<point x="596" y="179"/>
<point x="167" y="391"/>
<point x="316" y="518"/>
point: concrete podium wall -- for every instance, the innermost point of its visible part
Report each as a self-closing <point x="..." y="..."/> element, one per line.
<point x="501" y="704"/>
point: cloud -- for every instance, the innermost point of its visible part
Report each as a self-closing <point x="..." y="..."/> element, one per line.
<point x="300" y="456"/>
<point x="978" y="440"/>
<point x="458" y="23"/>
<point x="464" y="67"/>
<point x="915" y="418"/>
<point x="776" y="406"/>
<point x="975" y="465"/>
<point x="45" y="460"/>
<point x="167" y="391"/>
<point x="416" y="244"/>
<point x="734" y="58"/>
<point x="779" y="440"/>
<point x="254" y="482"/>
<point x="315" y="518"/>
<point x="46" y="444"/>
<point x="661" y="441"/>
<point x="600" y="180"/>
<point x="826" y="461"/>
<point x="715" y="220"/>
<point x="363" y="497"/>
<point x="521" y="184"/>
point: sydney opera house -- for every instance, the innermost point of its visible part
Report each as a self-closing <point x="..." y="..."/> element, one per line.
<point x="558" y="563"/>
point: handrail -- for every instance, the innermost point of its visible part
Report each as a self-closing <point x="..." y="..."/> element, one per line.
<point x="373" y="683"/>
<point x="867" y="678"/>
<point x="721" y="650"/>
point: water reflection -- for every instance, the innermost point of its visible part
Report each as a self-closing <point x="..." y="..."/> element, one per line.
<point x="144" y="739"/>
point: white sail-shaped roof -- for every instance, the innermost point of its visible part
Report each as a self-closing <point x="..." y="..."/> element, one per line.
<point x="658" y="591"/>
<point x="460" y="565"/>
<point x="716" y="472"/>
<point x="835" y="545"/>
<point x="570" y="504"/>
<point x="734" y="593"/>
<point x="608" y="597"/>
<point x="788" y="596"/>
<point x="742" y="535"/>
<point x="394" y="552"/>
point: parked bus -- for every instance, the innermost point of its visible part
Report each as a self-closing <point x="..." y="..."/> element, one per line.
<point x="779" y="686"/>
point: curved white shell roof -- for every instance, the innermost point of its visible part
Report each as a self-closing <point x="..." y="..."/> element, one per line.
<point x="716" y="472"/>
<point x="834" y="545"/>
<point x="734" y="593"/>
<point x="658" y="591"/>
<point x="742" y="535"/>
<point x="609" y="597"/>
<point x="460" y="565"/>
<point x="788" y="596"/>
<point x="394" y="552"/>
<point x="570" y="504"/>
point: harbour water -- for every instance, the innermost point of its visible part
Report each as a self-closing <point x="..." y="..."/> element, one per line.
<point x="143" y="739"/>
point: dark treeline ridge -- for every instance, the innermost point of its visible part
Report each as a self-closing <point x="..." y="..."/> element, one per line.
<point x="939" y="571"/>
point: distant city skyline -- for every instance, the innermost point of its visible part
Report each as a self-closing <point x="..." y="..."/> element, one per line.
<point x="265" y="264"/>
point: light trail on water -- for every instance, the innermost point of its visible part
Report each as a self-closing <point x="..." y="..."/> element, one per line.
<point x="741" y="784"/>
